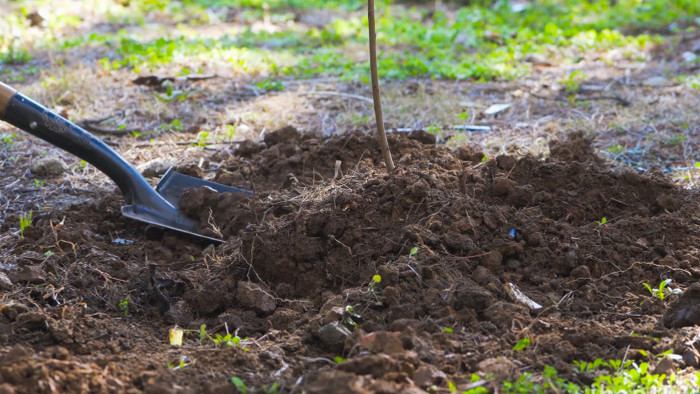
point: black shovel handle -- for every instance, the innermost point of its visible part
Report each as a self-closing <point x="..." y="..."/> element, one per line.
<point x="35" y="119"/>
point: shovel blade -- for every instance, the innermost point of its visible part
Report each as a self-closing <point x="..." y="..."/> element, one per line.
<point x="173" y="184"/>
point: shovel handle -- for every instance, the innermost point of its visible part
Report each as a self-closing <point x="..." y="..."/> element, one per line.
<point x="21" y="112"/>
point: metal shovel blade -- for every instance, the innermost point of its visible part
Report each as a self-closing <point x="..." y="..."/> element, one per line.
<point x="173" y="184"/>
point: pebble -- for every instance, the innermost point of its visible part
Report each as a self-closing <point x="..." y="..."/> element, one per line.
<point x="5" y="282"/>
<point x="50" y="165"/>
<point x="428" y="375"/>
<point x="154" y="168"/>
<point x="333" y="335"/>
<point x="501" y="368"/>
<point x="28" y="274"/>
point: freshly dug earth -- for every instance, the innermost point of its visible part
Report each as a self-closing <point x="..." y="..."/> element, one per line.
<point x="90" y="297"/>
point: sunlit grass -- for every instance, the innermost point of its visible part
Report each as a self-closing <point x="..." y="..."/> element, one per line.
<point x="481" y="42"/>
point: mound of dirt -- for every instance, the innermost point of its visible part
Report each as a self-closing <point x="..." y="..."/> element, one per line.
<point x="427" y="274"/>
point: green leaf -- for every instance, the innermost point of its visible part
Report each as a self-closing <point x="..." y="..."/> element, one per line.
<point x="522" y="344"/>
<point x="239" y="384"/>
<point x="414" y="251"/>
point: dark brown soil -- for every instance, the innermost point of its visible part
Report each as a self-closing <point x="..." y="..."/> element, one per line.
<point x="451" y="238"/>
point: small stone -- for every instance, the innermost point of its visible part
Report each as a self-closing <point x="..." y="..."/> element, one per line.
<point x="428" y="375"/>
<point x="28" y="274"/>
<point x="383" y="342"/>
<point x="537" y="59"/>
<point x="5" y="282"/>
<point x="287" y="133"/>
<point x="32" y="256"/>
<point x="154" y="168"/>
<point x="501" y="368"/>
<point x="253" y="296"/>
<point x="50" y="165"/>
<point x="333" y="335"/>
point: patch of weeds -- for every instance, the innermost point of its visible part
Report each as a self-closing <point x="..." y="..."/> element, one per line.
<point x="615" y="149"/>
<point x="175" y="367"/>
<point x="573" y="82"/>
<point x="339" y="359"/>
<point x="229" y="339"/>
<point x="548" y="383"/>
<point x="38" y="183"/>
<point x="124" y="306"/>
<point x="270" y="85"/>
<point x="8" y="139"/>
<point x="25" y="220"/>
<point x="662" y="290"/>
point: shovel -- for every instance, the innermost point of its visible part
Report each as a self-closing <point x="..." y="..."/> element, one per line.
<point x="158" y="207"/>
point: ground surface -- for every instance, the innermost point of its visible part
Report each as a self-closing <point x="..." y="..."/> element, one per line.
<point x="336" y="275"/>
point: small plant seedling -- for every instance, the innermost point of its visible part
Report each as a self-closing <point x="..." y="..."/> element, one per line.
<point x="124" y="306"/>
<point x="662" y="291"/>
<point x="414" y="251"/>
<point x="242" y="388"/>
<point x="48" y="253"/>
<point x="24" y="222"/>
<point x="448" y="330"/>
<point x="483" y="159"/>
<point x="522" y="344"/>
<point x="338" y="359"/>
<point x="602" y="221"/>
<point x="38" y="183"/>
<point x="373" y="284"/>
<point x="175" y="367"/>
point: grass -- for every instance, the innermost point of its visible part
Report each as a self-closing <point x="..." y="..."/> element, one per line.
<point x="614" y="376"/>
<point x="480" y="42"/>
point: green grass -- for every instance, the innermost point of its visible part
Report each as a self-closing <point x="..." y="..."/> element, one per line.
<point x="614" y="376"/>
<point x="480" y="42"/>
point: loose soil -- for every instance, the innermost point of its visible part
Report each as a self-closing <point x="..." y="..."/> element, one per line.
<point x="455" y="241"/>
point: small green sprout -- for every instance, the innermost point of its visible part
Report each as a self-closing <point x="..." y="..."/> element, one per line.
<point x="338" y="359"/>
<point x="414" y="251"/>
<point x="483" y="159"/>
<point x="602" y="221"/>
<point x="48" y="253"/>
<point x="181" y="365"/>
<point x="448" y="330"/>
<point x="38" y="183"/>
<point x="522" y="344"/>
<point x="242" y="388"/>
<point x="24" y="222"/>
<point x="662" y="291"/>
<point x="124" y="306"/>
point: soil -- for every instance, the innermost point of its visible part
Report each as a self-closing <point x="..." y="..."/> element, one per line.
<point x="456" y="243"/>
